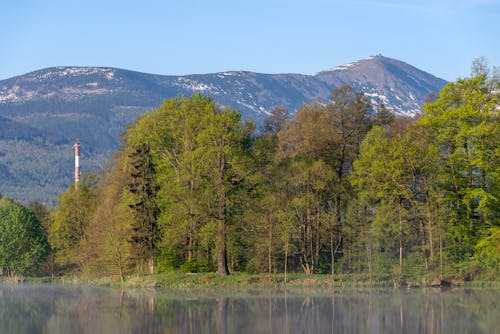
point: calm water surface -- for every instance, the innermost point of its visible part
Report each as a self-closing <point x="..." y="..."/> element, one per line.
<point x="82" y="309"/>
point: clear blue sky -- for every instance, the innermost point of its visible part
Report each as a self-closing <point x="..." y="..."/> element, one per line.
<point x="269" y="36"/>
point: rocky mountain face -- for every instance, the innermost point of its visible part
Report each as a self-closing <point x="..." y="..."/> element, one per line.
<point x="42" y="113"/>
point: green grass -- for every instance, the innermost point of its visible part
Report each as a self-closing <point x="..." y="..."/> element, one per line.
<point x="244" y="281"/>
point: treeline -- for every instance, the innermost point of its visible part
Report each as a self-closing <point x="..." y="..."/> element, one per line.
<point x="342" y="187"/>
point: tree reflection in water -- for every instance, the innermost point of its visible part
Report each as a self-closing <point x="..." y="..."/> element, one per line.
<point x="80" y="309"/>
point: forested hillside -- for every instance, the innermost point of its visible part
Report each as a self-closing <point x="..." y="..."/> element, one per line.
<point x="337" y="188"/>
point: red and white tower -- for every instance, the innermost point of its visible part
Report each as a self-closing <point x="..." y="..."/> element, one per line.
<point x="77" y="163"/>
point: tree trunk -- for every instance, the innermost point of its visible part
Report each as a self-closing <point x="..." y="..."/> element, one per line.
<point x="424" y="252"/>
<point x="222" y="268"/>
<point x="270" y="252"/>
<point x="332" y="255"/>
<point x="430" y="228"/>
<point x="151" y="263"/>
<point x="286" y="255"/>
<point x="369" y="258"/>
<point x="317" y="234"/>
<point x="368" y="252"/>
<point x="400" y="240"/>
<point x="440" y="257"/>
<point x="430" y="224"/>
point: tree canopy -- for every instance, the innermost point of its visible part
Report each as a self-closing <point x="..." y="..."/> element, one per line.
<point x="23" y="244"/>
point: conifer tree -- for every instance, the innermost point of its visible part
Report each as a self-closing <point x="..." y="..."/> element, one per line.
<point x="143" y="186"/>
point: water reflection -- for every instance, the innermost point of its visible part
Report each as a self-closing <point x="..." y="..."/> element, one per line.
<point x="81" y="309"/>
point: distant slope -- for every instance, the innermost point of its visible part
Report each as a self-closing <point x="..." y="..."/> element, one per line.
<point x="43" y="112"/>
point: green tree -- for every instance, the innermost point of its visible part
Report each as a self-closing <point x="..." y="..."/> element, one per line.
<point x="223" y="147"/>
<point x="74" y="210"/>
<point x="464" y="122"/>
<point x="142" y="185"/>
<point x="107" y="249"/>
<point x="269" y="204"/>
<point x="23" y="244"/>
<point x="359" y="243"/>
<point x="44" y="214"/>
<point x="380" y="180"/>
<point x="309" y="181"/>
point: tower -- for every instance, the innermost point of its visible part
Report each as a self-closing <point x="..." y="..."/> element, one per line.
<point x="77" y="163"/>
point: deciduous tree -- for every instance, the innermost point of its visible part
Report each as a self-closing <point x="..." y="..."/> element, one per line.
<point x="23" y="244"/>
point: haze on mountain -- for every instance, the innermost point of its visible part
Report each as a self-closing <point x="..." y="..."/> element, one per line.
<point x="42" y="113"/>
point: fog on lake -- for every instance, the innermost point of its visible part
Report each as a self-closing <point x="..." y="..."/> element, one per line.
<point x="47" y="308"/>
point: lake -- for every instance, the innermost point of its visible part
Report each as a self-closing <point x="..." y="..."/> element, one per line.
<point x="30" y="308"/>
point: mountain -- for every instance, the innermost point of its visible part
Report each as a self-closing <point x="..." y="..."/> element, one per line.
<point x="43" y="112"/>
<point x="400" y="86"/>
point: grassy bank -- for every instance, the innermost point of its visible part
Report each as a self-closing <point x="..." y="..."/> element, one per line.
<point x="245" y="281"/>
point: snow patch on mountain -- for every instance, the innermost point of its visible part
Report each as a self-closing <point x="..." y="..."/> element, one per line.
<point x="63" y="71"/>
<point x="196" y="86"/>
<point x="348" y="65"/>
<point x="375" y="98"/>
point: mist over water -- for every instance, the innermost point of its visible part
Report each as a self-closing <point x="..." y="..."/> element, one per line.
<point x="82" y="309"/>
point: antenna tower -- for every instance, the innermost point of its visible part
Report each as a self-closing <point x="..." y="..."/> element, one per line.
<point x="77" y="163"/>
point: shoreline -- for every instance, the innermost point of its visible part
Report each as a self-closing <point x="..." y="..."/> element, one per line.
<point x="244" y="281"/>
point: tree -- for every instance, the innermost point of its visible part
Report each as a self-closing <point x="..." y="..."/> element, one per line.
<point x="332" y="134"/>
<point x="44" y="214"/>
<point x="23" y="244"/>
<point x="384" y="116"/>
<point x="276" y="119"/>
<point x="223" y="150"/>
<point x="358" y="237"/>
<point x="464" y="125"/>
<point x="380" y="180"/>
<point x="309" y="181"/>
<point x="107" y="249"/>
<point x="349" y="113"/>
<point x="309" y="134"/>
<point x="72" y="215"/>
<point x="142" y="185"/>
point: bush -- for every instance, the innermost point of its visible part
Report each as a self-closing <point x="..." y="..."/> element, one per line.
<point x="194" y="266"/>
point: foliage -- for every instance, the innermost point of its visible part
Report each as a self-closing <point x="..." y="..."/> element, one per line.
<point x="107" y="249"/>
<point x="142" y="186"/>
<point x="23" y="244"/>
<point x="487" y="253"/>
<point x="198" y="151"/>
<point x="71" y="218"/>
<point x="464" y="121"/>
<point x="441" y="173"/>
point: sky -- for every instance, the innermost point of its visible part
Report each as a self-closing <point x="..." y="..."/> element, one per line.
<point x="179" y="37"/>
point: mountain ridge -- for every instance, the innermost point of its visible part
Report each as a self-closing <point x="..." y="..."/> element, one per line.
<point x="94" y="104"/>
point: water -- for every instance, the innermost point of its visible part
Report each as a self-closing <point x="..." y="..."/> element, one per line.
<point x="82" y="309"/>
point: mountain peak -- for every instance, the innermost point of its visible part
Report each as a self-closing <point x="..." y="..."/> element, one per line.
<point x="351" y="65"/>
<point x="398" y="85"/>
